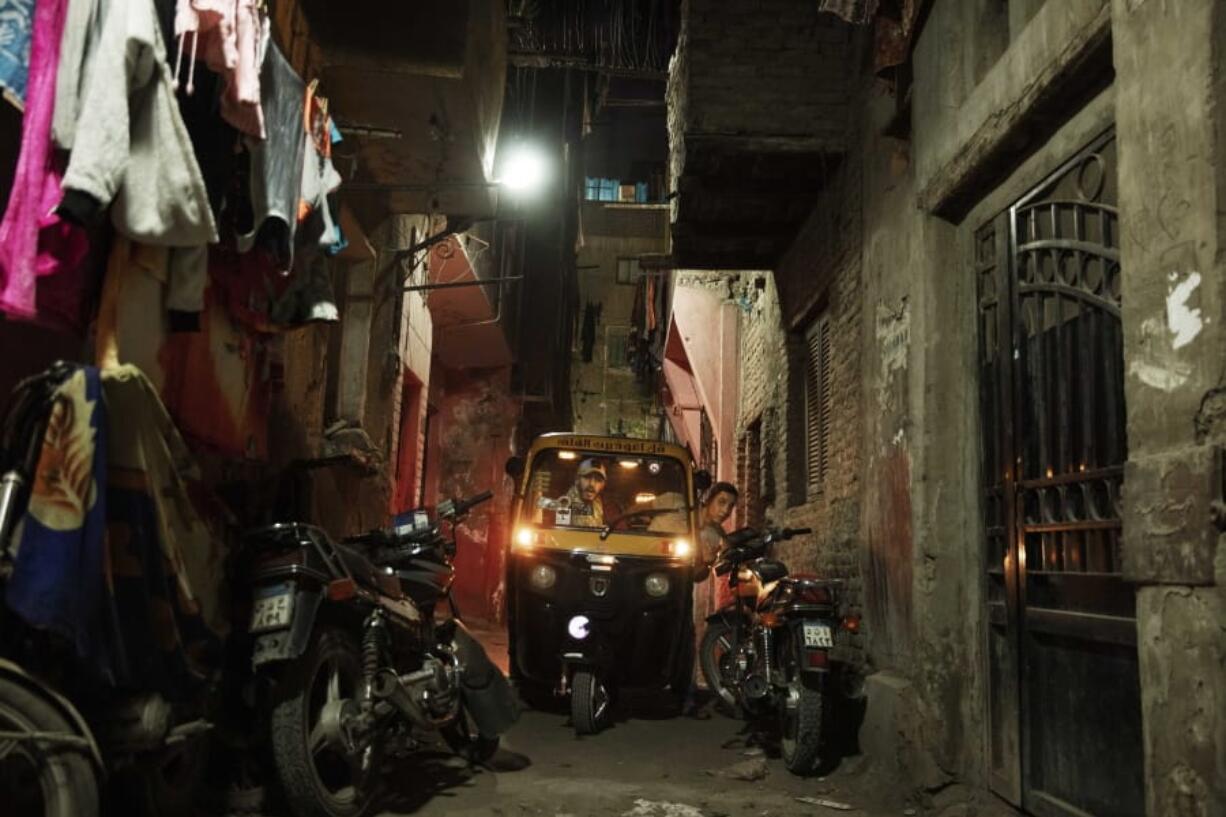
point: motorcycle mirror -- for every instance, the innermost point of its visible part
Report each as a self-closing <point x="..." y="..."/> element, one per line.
<point x="515" y="467"/>
<point x="702" y="480"/>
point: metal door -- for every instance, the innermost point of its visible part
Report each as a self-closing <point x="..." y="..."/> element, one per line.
<point x="1064" y="703"/>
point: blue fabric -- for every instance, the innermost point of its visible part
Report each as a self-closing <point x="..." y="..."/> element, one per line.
<point x="59" y="577"/>
<point x="16" y="22"/>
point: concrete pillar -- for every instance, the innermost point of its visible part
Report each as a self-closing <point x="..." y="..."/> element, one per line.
<point x="1169" y="85"/>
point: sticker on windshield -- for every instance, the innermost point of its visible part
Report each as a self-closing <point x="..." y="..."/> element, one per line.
<point x="562" y="517"/>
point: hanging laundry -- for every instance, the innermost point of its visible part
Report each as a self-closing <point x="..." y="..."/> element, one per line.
<point x="16" y="26"/>
<point x="43" y="259"/>
<point x="131" y="149"/>
<point x="228" y="36"/>
<point x="82" y="30"/>
<point x="266" y="208"/>
<point x="58" y="581"/>
<point x="319" y="177"/>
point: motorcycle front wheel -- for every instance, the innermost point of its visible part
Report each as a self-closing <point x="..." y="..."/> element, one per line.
<point x="319" y="778"/>
<point x="715" y="655"/>
<point x="41" y="777"/>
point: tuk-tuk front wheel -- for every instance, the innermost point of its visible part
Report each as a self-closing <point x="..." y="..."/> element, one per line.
<point x="589" y="702"/>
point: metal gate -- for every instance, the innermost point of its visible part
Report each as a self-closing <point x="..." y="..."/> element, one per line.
<point x="1064" y="703"/>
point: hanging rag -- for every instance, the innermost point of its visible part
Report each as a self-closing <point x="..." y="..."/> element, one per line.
<point x="319" y="177"/>
<point x="131" y="149"/>
<point x="16" y="26"/>
<point x="43" y="269"/>
<point x="267" y="207"/>
<point x="227" y="35"/>
<point x="166" y="564"/>
<point x="59" y="572"/>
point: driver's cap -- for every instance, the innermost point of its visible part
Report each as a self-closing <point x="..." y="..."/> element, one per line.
<point x="591" y="466"/>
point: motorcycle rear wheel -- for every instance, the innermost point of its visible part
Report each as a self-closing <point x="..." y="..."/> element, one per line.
<point x="800" y="717"/>
<point x="318" y="779"/>
<point x="61" y="778"/>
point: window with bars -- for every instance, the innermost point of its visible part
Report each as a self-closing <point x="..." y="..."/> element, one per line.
<point x="616" y="340"/>
<point x="627" y="270"/>
<point x="817" y="403"/>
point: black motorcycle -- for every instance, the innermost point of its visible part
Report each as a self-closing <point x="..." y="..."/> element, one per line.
<point x="769" y="651"/>
<point x="361" y="668"/>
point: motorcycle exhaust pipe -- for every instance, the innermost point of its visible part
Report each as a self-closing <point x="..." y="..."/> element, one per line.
<point x="387" y="686"/>
<point x="10" y="489"/>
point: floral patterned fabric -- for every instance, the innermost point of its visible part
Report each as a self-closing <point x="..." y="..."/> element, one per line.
<point x="16" y="23"/>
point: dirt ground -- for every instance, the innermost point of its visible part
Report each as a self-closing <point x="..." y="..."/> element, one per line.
<point x="652" y="763"/>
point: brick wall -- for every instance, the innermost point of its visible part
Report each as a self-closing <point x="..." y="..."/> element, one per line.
<point x="819" y="275"/>
<point x="779" y="63"/>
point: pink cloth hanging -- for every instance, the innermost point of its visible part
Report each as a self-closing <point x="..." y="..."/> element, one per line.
<point x="43" y="274"/>
<point x="226" y="34"/>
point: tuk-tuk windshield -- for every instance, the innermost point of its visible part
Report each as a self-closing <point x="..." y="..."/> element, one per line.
<point x="627" y="493"/>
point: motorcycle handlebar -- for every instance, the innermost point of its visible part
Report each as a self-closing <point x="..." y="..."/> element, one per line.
<point x="467" y="504"/>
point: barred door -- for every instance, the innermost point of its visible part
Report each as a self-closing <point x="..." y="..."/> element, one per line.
<point x="1064" y="704"/>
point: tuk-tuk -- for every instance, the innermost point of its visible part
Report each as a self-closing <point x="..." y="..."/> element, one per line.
<point x="600" y="569"/>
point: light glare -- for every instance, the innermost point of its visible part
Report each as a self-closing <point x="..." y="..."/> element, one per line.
<point x="524" y="170"/>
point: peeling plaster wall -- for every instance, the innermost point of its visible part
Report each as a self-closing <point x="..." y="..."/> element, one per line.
<point x="469" y="441"/>
<point x="1171" y="81"/>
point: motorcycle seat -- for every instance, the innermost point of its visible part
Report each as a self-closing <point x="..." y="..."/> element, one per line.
<point x="769" y="570"/>
<point x="362" y="568"/>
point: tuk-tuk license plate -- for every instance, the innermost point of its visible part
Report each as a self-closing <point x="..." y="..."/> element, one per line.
<point x="271" y="612"/>
<point x="818" y="635"/>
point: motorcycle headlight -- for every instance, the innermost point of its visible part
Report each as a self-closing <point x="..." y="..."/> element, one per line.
<point x="543" y="577"/>
<point x="656" y="585"/>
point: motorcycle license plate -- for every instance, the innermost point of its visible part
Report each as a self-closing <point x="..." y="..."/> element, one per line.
<point x="818" y="635"/>
<point x="273" y="610"/>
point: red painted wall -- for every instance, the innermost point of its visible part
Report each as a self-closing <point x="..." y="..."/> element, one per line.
<point x="469" y="439"/>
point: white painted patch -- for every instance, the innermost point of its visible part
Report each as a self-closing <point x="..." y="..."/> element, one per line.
<point x="649" y="808"/>
<point x="898" y="438"/>
<point x="1184" y="323"/>
<point x="1156" y="364"/>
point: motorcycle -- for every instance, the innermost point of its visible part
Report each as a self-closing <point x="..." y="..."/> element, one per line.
<point x="769" y="652"/>
<point x="359" y="667"/>
<point x="64" y="730"/>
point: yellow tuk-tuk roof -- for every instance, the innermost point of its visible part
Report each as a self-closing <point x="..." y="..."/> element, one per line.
<point x="612" y="445"/>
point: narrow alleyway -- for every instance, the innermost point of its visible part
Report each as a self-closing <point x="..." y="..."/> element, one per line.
<point x="859" y="353"/>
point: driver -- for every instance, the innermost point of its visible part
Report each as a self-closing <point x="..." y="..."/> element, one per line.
<point x="582" y="503"/>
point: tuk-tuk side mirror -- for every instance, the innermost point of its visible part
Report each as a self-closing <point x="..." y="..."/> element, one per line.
<point x="515" y="467"/>
<point x="702" y="480"/>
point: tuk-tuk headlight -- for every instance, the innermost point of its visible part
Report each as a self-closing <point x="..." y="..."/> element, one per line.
<point x="656" y="585"/>
<point x="543" y="577"/>
<point x="681" y="548"/>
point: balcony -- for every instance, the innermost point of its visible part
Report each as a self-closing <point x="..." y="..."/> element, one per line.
<point x="419" y="88"/>
<point x="757" y="120"/>
<point x="468" y="320"/>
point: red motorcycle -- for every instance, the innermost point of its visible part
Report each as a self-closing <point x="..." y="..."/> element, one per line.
<point x="769" y="652"/>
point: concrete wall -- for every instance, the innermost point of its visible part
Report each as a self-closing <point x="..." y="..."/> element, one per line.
<point x="608" y="398"/>
<point x="1171" y="98"/>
